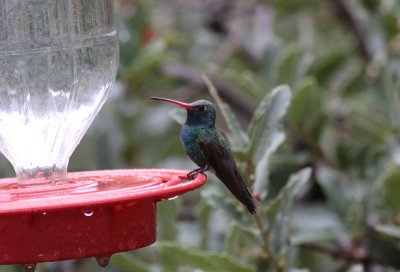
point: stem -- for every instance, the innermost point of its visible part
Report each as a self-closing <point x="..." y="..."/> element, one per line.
<point x="265" y="239"/>
<point x="339" y="253"/>
<point x="359" y="33"/>
<point x="226" y="90"/>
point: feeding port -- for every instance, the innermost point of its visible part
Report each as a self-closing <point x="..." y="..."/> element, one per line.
<point x="58" y="60"/>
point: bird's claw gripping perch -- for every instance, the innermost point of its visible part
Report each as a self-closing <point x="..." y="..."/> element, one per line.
<point x="192" y="174"/>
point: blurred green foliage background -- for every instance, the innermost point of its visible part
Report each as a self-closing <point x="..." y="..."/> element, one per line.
<point x="322" y="150"/>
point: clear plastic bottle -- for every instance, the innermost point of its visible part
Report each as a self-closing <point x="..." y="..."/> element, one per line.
<point x="58" y="60"/>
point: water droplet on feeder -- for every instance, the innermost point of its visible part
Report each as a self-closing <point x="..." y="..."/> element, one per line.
<point x="5" y="258"/>
<point x="29" y="267"/>
<point x="44" y="213"/>
<point x="131" y="244"/>
<point x="56" y="254"/>
<point x="118" y="208"/>
<point x="103" y="260"/>
<point x="172" y="198"/>
<point x="88" y="212"/>
<point x="81" y="252"/>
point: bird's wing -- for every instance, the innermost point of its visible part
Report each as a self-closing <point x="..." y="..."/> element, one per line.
<point x="217" y="153"/>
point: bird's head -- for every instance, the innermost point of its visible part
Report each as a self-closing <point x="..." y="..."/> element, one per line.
<point x="200" y="112"/>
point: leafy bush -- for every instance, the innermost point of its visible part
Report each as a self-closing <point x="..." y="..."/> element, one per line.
<point x="328" y="189"/>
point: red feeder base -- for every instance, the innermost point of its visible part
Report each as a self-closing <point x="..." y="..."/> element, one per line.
<point x="94" y="214"/>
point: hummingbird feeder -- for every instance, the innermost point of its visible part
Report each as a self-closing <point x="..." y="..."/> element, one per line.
<point x="58" y="60"/>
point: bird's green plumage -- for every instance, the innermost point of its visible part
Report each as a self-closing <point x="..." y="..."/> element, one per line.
<point x="192" y="136"/>
<point x="189" y="138"/>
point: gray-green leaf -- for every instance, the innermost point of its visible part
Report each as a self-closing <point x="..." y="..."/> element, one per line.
<point x="266" y="134"/>
<point x="205" y="260"/>
<point x="278" y="213"/>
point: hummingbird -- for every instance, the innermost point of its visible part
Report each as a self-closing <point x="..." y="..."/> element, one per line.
<point x="209" y="149"/>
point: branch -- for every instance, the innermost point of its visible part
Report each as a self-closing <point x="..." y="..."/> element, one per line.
<point x="233" y="43"/>
<point x="279" y="267"/>
<point x="226" y="90"/>
<point x="359" y="33"/>
<point x="357" y="255"/>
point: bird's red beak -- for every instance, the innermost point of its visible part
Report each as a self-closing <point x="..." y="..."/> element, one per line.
<point x="181" y="104"/>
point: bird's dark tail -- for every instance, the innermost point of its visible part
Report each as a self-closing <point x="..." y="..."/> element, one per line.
<point x="244" y="196"/>
<point x="240" y="191"/>
<point x="219" y="159"/>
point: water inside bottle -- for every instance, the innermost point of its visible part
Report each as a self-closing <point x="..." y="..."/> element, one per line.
<point x="48" y="98"/>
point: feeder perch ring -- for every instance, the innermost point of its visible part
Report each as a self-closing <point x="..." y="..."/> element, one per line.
<point x="93" y="214"/>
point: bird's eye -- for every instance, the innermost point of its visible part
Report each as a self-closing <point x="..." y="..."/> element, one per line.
<point x="202" y="108"/>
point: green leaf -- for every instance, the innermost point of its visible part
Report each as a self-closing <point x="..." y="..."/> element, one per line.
<point x="328" y="64"/>
<point x="237" y="135"/>
<point x="203" y="216"/>
<point x="306" y="112"/>
<point x="238" y="236"/>
<point x="315" y="223"/>
<point x="144" y="63"/>
<point x="267" y="120"/>
<point x="291" y="66"/>
<point x="225" y="204"/>
<point x="262" y="167"/>
<point x="269" y="60"/>
<point x="389" y="230"/>
<point x="166" y="214"/>
<point x="205" y="260"/>
<point x="266" y="134"/>
<point x="334" y="189"/>
<point x="127" y="263"/>
<point x="278" y="213"/>
<point x="391" y="189"/>
<point x="356" y="268"/>
<point x="291" y="5"/>
<point x="312" y="236"/>
<point x="382" y="246"/>
<point x="231" y="240"/>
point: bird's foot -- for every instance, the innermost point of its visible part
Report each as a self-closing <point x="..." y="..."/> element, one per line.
<point x="192" y="174"/>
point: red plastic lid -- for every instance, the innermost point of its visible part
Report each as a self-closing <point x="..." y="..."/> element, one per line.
<point x="94" y="214"/>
